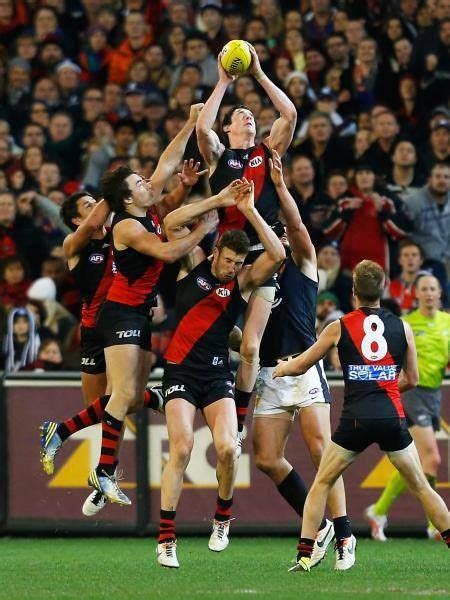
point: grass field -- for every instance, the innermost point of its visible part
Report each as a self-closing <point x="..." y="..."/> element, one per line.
<point x="125" y="568"/>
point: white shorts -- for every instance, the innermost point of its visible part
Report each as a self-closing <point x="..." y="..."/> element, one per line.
<point x="284" y="396"/>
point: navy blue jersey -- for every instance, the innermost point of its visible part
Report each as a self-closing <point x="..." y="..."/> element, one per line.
<point x="372" y="349"/>
<point x="291" y="328"/>
<point x="206" y="312"/>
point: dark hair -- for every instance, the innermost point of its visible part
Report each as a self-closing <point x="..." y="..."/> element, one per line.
<point x="125" y="123"/>
<point x="115" y="189"/>
<point x="40" y="307"/>
<point x="229" y="114"/>
<point x="368" y="281"/>
<point x="236" y="240"/>
<point x="406" y="243"/>
<point x="12" y="260"/>
<point x="69" y="209"/>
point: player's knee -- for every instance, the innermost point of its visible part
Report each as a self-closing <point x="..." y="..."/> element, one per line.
<point x="226" y="451"/>
<point x="316" y="446"/>
<point x="181" y="450"/>
<point x="127" y="394"/>
<point x="266" y="464"/>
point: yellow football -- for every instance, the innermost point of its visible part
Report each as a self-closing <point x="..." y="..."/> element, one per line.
<point x="236" y="57"/>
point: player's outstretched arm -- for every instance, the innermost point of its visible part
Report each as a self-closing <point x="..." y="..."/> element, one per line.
<point x="409" y="375"/>
<point x="76" y="241"/>
<point x="271" y="259"/>
<point x="173" y="154"/>
<point x="188" y="177"/>
<point x="302" y="248"/>
<point x="211" y="148"/>
<point x="297" y="366"/>
<point x="283" y="129"/>
<point x="129" y="233"/>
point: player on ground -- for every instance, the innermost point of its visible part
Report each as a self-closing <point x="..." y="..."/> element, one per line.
<point x="211" y="292"/>
<point x="245" y="159"/>
<point x="378" y="358"/>
<point x="290" y="331"/>
<point x="431" y="329"/>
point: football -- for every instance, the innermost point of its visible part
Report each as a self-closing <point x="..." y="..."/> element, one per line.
<point x="236" y="57"/>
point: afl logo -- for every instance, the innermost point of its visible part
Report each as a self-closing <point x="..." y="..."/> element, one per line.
<point x="223" y="292"/>
<point x="96" y="258"/>
<point x="202" y="283"/>
<point x="235" y="164"/>
<point x="255" y="162"/>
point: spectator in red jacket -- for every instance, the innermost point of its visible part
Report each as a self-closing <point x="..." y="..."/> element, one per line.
<point x="401" y="289"/>
<point x="13" y="282"/>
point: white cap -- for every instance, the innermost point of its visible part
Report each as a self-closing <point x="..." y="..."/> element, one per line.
<point x="43" y="288"/>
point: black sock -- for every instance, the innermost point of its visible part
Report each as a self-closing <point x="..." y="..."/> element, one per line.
<point x="242" y="400"/>
<point x="305" y="548"/>
<point x="223" y="509"/>
<point x="342" y="528"/>
<point x="446" y="537"/>
<point x="166" y="526"/>
<point x="294" y="491"/>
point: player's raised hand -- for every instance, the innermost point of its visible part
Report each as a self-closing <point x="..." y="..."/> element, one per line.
<point x="190" y="173"/>
<point x="276" y="169"/>
<point x="209" y="221"/>
<point x="227" y="195"/>
<point x="245" y="195"/>
<point x="195" y="111"/>
<point x="255" y="68"/>
<point x="223" y="75"/>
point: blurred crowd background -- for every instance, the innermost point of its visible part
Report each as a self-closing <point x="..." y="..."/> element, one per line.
<point x="87" y="85"/>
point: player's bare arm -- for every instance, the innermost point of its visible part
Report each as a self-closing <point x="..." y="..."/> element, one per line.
<point x="173" y="154"/>
<point x="409" y="375"/>
<point x="131" y="234"/>
<point x="210" y="146"/>
<point x="299" y="365"/>
<point x="272" y="258"/>
<point x="76" y="241"/>
<point x="188" y="177"/>
<point x="283" y="129"/>
<point x="302" y="248"/>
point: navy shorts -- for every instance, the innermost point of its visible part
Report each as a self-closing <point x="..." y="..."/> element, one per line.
<point x="200" y="387"/>
<point x="358" y="434"/>
<point x="92" y="353"/>
<point x="120" y="324"/>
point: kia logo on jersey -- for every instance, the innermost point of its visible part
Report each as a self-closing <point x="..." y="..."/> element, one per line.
<point x="234" y="163"/>
<point x="96" y="258"/>
<point x="202" y="283"/>
<point x="255" y="162"/>
<point x="223" y="292"/>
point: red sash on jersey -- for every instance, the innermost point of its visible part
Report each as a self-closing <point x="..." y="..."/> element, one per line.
<point x="255" y="170"/>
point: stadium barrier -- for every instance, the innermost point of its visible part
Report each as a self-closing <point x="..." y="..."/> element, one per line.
<point x="31" y="502"/>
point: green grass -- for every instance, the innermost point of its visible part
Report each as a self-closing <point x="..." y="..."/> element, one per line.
<point x="125" y="568"/>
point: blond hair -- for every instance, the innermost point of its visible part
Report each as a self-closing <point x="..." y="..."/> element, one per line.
<point x="368" y="281"/>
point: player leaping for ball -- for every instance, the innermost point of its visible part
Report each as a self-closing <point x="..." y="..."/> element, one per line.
<point x="211" y="293"/>
<point x="245" y="159"/>
<point x="379" y="360"/>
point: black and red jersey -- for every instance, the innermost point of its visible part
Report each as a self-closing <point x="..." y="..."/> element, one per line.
<point x="252" y="163"/>
<point x="206" y="312"/>
<point x="372" y="350"/>
<point x="136" y="275"/>
<point x="93" y="275"/>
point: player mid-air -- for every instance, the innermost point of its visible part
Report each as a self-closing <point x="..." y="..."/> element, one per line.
<point x="379" y="360"/>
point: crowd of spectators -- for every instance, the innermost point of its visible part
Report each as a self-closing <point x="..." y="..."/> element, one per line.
<point x="86" y="85"/>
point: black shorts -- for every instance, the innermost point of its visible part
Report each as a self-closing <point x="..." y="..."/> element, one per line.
<point x="120" y="324"/>
<point x="200" y="387"/>
<point x="92" y="354"/>
<point x="358" y="434"/>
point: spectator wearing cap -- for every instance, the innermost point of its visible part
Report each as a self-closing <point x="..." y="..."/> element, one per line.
<point x="233" y="22"/>
<point x="68" y="78"/>
<point x="366" y="221"/>
<point x="429" y="210"/>
<point x="385" y="130"/>
<point x="318" y="23"/>
<point x="327" y="310"/>
<point x="404" y="178"/>
<point x="95" y="56"/>
<point x="159" y="73"/>
<point x="122" y="147"/>
<point x="137" y="37"/>
<point x="134" y="101"/>
<point x="296" y="86"/>
<point x="211" y="23"/>
<point x="437" y="149"/>
<point x="314" y="206"/>
<point x="326" y="151"/>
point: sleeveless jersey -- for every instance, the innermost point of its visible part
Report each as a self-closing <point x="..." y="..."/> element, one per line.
<point x="252" y="163"/>
<point x="372" y="350"/>
<point x="291" y="326"/>
<point x="206" y="311"/>
<point x="136" y="275"/>
<point x="93" y="275"/>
